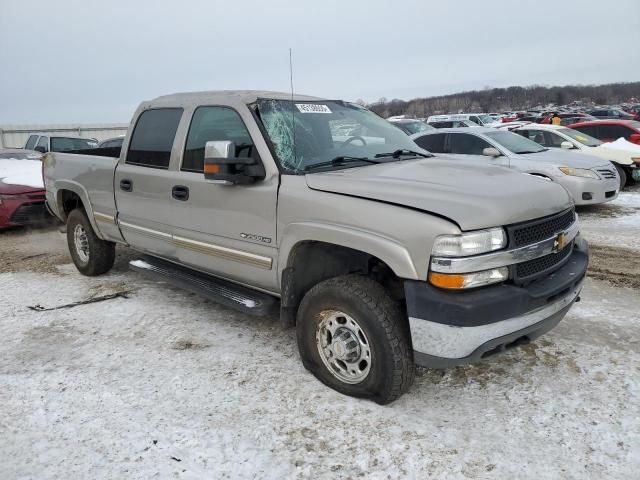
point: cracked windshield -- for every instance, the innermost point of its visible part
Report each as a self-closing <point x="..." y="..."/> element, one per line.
<point x="331" y="134"/>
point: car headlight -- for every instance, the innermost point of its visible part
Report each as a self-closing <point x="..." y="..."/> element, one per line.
<point x="471" y="243"/>
<point x="461" y="281"/>
<point x="578" y="172"/>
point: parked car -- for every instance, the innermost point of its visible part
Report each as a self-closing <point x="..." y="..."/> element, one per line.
<point x="410" y="126"/>
<point x="44" y="143"/>
<point x="115" y="142"/>
<point x="589" y="181"/>
<point x="22" y="193"/>
<point x="610" y="130"/>
<point x="553" y="136"/>
<point x="611" y="114"/>
<point x="566" y="118"/>
<point x="380" y="254"/>
<point x="481" y="119"/>
<point x="453" y="124"/>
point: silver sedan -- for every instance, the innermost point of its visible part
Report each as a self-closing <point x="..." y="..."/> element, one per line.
<point x="589" y="180"/>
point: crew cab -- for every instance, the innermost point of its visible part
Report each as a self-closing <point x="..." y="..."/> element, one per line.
<point x="381" y="255"/>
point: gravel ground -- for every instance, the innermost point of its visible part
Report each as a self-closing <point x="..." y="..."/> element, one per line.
<point x="158" y="383"/>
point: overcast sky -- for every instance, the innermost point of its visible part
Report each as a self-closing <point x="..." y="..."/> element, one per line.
<point x="94" y="61"/>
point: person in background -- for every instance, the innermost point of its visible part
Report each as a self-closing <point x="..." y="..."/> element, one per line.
<point x="555" y="120"/>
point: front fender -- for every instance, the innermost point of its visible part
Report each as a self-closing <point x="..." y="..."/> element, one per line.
<point x="395" y="255"/>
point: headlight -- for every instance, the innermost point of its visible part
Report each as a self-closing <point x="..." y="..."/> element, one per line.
<point x="472" y="243"/>
<point x="468" y="280"/>
<point x="578" y="172"/>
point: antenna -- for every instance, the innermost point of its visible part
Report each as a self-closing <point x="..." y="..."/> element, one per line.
<point x="293" y="113"/>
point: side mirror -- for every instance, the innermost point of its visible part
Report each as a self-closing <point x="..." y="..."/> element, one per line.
<point x="491" y="152"/>
<point x="567" y="145"/>
<point x="221" y="165"/>
<point x="40" y="149"/>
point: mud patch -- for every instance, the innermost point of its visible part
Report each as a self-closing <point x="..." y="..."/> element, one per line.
<point x="618" y="266"/>
<point x="189" y="345"/>
<point x="607" y="211"/>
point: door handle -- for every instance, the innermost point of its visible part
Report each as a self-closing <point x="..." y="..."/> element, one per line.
<point x="180" y="192"/>
<point x="126" y="185"/>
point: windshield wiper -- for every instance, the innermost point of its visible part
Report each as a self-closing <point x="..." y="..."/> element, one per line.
<point x="532" y="151"/>
<point x="338" y="161"/>
<point x="402" y="151"/>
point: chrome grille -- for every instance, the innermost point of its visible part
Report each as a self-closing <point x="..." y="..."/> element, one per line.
<point x="606" y="172"/>
<point x="531" y="268"/>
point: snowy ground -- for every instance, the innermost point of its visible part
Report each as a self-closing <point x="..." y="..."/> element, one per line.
<point x="162" y="384"/>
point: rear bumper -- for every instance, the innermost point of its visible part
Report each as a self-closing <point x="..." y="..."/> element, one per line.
<point x="452" y="328"/>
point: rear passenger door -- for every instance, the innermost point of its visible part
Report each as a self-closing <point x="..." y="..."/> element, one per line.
<point x="143" y="182"/>
<point x="433" y="143"/>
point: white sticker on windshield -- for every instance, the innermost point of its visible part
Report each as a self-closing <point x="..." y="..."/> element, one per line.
<point x="312" y="108"/>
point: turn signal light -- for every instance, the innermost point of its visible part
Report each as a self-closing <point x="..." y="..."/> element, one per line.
<point x="468" y="280"/>
<point x="444" y="280"/>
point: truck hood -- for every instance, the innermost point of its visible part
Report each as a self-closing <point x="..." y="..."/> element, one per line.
<point x="471" y="195"/>
<point x="562" y="158"/>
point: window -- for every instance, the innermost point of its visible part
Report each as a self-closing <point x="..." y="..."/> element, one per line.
<point x="31" y="142"/>
<point x="546" y="139"/>
<point x="441" y="124"/>
<point x="215" y="123"/>
<point x="433" y="143"/>
<point x="591" y="130"/>
<point x="153" y="137"/>
<point x="466" y="144"/>
<point x="64" y="144"/>
<point x="614" y="132"/>
<point x="43" y="142"/>
<point x="475" y="119"/>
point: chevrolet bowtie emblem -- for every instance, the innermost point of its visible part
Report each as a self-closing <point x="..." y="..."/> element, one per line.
<point x="560" y="242"/>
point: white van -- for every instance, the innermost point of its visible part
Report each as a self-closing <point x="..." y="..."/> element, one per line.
<point x="481" y="119"/>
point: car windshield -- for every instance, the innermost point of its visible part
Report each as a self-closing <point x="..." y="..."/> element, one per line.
<point x="514" y="142"/>
<point x="416" y="127"/>
<point x="326" y="130"/>
<point x="63" y="144"/>
<point x="486" y="119"/>
<point x="578" y="136"/>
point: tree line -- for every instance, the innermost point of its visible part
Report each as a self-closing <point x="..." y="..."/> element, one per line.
<point x="508" y="99"/>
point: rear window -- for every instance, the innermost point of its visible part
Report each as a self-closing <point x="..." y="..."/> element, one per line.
<point x="433" y="143"/>
<point x="153" y="138"/>
<point x="64" y="144"/>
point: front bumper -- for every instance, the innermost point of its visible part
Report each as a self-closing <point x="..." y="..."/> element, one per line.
<point x="589" y="191"/>
<point x="452" y="328"/>
<point x="22" y="209"/>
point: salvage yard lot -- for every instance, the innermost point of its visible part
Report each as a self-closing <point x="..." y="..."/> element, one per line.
<point x="156" y="382"/>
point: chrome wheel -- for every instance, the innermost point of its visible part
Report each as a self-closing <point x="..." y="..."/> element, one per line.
<point x="343" y="347"/>
<point x="81" y="243"/>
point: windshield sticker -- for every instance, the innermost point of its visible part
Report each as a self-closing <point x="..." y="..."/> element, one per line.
<point x="312" y="108"/>
<point x="581" y="138"/>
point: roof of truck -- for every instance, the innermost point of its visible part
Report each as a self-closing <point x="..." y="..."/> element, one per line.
<point x="243" y="96"/>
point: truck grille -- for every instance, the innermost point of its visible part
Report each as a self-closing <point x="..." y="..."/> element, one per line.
<point x="526" y="270"/>
<point x="538" y="230"/>
<point x="29" y="213"/>
<point x="606" y="172"/>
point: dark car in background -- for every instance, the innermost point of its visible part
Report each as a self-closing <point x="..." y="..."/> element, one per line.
<point x="608" y="113"/>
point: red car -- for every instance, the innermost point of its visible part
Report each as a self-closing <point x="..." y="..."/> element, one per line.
<point x="20" y="204"/>
<point x="610" y="130"/>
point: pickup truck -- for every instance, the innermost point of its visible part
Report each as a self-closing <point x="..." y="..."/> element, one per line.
<point x="381" y="255"/>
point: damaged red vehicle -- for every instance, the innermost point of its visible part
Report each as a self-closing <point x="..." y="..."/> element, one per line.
<point x="22" y="196"/>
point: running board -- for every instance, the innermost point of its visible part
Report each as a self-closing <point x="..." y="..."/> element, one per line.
<point x="221" y="291"/>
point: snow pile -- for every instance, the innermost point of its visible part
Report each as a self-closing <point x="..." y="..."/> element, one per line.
<point x="21" y="172"/>
<point x="622" y="144"/>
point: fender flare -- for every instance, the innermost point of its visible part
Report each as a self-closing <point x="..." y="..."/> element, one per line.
<point x="78" y="189"/>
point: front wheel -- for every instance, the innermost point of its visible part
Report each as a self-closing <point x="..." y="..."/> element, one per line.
<point x="91" y="255"/>
<point x="354" y="338"/>
<point x="622" y="174"/>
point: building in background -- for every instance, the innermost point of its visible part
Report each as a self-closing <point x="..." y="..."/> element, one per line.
<point x="15" y="136"/>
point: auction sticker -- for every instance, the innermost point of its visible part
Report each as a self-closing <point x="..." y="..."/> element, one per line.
<point x="312" y="108"/>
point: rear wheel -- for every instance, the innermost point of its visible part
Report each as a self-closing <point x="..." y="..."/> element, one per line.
<point x="354" y="338"/>
<point x="622" y="174"/>
<point x="91" y="255"/>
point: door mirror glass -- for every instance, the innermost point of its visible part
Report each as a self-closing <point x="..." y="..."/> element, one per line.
<point x="222" y="166"/>
<point x="491" y="152"/>
<point x="566" y="145"/>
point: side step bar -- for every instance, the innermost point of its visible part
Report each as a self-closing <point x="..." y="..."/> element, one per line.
<point x="221" y="291"/>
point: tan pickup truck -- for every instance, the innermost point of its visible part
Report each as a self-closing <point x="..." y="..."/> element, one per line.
<point x="381" y="255"/>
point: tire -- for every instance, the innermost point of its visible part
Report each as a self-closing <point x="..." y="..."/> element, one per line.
<point x="90" y="255"/>
<point x="387" y="370"/>
<point x="622" y="174"/>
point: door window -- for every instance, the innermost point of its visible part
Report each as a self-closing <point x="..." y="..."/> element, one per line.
<point x="31" y="142"/>
<point x="153" y="138"/>
<point x="215" y="123"/>
<point x="43" y="142"/>
<point x="614" y="131"/>
<point x="433" y="143"/>
<point x="465" y="143"/>
<point x="591" y="130"/>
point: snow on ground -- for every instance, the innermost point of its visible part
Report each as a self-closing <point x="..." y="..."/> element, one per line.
<point x="165" y="384"/>
<point x="21" y="172"/>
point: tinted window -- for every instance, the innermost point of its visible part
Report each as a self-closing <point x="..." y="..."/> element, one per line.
<point x="433" y="143"/>
<point x="43" y="142"/>
<point x="31" y="142"/>
<point x="614" y="131"/>
<point x="63" y="144"/>
<point x="215" y="123"/>
<point x="441" y="124"/>
<point x="467" y="144"/>
<point x="591" y="130"/>
<point x="153" y="137"/>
